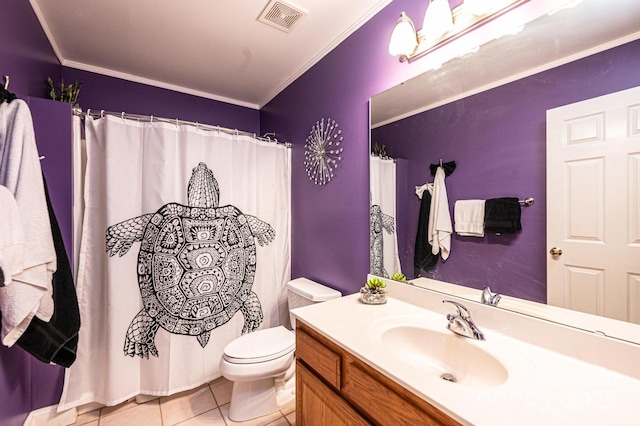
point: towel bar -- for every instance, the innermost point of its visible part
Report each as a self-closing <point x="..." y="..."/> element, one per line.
<point x="527" y="201"/>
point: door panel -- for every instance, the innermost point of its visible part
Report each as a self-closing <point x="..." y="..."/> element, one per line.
<point x="593" y="202"/>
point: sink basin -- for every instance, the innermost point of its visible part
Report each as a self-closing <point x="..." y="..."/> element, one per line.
<point x="443" y="354"/>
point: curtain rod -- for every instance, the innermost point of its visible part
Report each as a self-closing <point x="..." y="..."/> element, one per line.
<point x="268" y="137"/>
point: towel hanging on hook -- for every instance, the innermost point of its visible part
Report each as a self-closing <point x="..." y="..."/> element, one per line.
<point x="448" y="167"/>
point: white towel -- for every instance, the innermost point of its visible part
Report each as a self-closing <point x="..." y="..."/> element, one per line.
<point x="30" y="292"/>
<point x="11" y="237"/>
<point x="440" y="228"/>
<point x="469" y="218"/>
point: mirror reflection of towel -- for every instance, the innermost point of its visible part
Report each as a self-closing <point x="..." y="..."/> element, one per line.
<point x="502" y="215"/>
<point x="423" y="258"/>
<point x="469" y="218"/>
<point x="440" y="227"/>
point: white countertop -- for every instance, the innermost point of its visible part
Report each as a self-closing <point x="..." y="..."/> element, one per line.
<point x="543" y="387"/>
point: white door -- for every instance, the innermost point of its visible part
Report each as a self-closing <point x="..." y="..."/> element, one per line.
<point x="593" y="206"/>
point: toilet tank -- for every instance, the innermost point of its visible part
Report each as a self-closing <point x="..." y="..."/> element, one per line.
<point x="302" y="292"/>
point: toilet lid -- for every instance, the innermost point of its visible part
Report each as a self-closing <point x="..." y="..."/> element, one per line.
<point x="260" y="346"/>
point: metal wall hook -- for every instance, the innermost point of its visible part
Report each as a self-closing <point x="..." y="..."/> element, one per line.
<point x="6" y="82"/>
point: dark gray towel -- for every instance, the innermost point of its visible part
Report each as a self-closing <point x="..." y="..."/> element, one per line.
<point x="502" y="215"/>
<point x="423" y="258"/>
<point x="56" y="341"/>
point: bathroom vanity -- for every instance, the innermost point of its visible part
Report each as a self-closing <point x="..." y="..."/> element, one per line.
<point x="398" y="364"/>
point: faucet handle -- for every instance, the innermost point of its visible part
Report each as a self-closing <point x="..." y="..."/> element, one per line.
<point x="489" y="298"/>
<point x="462" y="310"/>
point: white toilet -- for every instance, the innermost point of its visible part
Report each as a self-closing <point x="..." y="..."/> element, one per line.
<point x="261" y="364"/>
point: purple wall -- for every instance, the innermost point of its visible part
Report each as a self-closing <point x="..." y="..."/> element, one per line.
<point x="25" y="53"/>
<point x="57" y="167"/>
<point x="497" y="139"/>
<point x="101" y="92"/>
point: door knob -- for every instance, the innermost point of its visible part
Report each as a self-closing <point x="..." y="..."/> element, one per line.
<point x="555" y="252"/>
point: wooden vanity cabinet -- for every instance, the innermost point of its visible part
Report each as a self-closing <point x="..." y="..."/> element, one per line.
<point x="334" y="387"/>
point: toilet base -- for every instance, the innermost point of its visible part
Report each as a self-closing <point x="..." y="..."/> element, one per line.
<point x="261" y="397"/>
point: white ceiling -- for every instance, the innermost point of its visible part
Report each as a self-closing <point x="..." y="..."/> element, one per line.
<point x="546" y="42"/>
<point x="211" y="48"/>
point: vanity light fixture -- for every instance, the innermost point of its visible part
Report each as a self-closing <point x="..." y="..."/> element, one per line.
<point x="441" y="25"/>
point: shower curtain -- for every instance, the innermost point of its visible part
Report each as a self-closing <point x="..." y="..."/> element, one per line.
<point x="384" y="259"/>
<point x="185" y="244"/>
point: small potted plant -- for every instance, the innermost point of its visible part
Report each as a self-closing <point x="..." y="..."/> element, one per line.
<point x="374" y="292"/>
<point x="399" y="276"/>
<point x="65" y="94"/>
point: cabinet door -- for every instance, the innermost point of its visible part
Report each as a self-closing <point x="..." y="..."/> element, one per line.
<point x="317" y="404"/>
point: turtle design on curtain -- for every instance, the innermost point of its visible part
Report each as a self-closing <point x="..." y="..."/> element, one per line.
<point x="378" y="222"/>
<point x="196" y="265"/>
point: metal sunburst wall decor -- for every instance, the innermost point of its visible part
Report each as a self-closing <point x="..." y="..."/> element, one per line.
<point x="322" y="151"/>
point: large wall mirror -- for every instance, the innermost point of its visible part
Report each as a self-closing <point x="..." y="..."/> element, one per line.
<point x="487" y="112"/>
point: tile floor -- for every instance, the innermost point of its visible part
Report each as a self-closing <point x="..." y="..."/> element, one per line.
<point x="206" y="405"/>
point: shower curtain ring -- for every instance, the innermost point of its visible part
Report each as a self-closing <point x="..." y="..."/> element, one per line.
<point x="122" y="115"/>
<point x="101" y="113"/>
<point x="151" y="119"/>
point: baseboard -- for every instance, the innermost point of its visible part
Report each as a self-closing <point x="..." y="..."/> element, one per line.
<point x="48" y="416"/>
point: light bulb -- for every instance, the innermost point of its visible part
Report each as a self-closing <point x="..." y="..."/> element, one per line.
<point x="403" y="39"/>
<point x="437" y="19"/>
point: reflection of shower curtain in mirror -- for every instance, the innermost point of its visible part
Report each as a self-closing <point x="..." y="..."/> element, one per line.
<point x="185" y="243"/>
<point x="384" y="260"/>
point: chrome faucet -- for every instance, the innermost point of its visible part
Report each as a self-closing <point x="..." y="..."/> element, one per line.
<point x="461" y="323"/>
<point x="489" y="298"/>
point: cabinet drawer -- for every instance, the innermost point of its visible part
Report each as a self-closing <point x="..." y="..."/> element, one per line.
<point x="318" y="356"/>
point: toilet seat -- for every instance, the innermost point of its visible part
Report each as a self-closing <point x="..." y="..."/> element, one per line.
<point x="260" y="346"/>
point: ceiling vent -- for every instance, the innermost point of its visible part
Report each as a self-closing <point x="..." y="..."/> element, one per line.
<point x="281" y="15"/>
